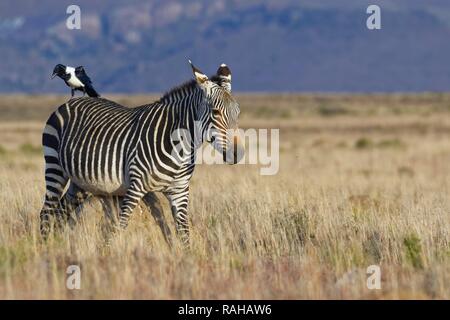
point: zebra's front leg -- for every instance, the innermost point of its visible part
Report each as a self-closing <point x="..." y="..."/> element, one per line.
<point x="129" y="202"/>
<point x="153" y="204"/>
<point x="111" y="208"/>
<point x="179" y="202"/>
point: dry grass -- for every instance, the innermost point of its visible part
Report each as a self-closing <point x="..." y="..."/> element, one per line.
<point x="355" y="188"/>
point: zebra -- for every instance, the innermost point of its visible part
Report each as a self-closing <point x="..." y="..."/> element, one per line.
<point x="96" y="147"/>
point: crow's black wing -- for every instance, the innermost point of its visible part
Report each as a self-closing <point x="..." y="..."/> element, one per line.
<point x="80" y="73"/>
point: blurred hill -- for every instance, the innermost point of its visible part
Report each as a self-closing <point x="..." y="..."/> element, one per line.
<point x="143" y="46"/>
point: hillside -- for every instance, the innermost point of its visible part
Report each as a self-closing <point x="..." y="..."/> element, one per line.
<point x="142" y="46"/>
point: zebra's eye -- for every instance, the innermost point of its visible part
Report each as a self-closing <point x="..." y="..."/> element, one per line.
<point x="216" y="112"/>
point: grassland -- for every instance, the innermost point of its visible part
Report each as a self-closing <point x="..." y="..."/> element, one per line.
<point x="363" y="180"/>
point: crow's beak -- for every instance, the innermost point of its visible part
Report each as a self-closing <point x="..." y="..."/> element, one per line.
<point x="53" y="75"/>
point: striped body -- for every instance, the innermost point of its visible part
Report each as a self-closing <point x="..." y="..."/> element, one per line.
<point x="104" y="146"/>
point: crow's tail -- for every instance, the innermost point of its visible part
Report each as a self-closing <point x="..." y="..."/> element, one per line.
<point x="91" y="92"/>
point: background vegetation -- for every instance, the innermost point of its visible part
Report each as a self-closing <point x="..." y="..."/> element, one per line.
<point x="363" y="180"/>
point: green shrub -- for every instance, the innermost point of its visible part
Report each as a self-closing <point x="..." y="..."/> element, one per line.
<point x="391" y="143"/>
<point x="28" y="148"/>
<point x="363" y="143"/>
<point x="2" y="151"/>
<point x="331" y="110"/>
<point x="413" y="249"/>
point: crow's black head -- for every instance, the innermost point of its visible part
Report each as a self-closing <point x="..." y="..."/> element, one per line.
<point x="59" y="70"/>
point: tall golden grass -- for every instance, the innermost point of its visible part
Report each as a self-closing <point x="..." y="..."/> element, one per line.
<point x="367" y="181"/>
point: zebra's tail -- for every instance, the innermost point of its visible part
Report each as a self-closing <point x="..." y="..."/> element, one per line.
<point x="55" y="177"/>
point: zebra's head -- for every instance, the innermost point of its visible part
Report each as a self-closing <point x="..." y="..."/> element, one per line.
<point x="223" y="112"/>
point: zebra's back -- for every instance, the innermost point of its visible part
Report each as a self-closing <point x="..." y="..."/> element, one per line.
<point x="93" y="139"/>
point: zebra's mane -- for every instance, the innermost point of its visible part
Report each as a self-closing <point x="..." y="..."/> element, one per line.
<point x="187" y="86"/>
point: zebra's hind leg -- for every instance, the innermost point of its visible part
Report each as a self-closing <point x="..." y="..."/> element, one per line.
<point x="48" y="213"/>
<point x="55" y="182"/>
<point x="153" y="204"/>
<point x="179" y="204"/>
<point x="72" y="202"/>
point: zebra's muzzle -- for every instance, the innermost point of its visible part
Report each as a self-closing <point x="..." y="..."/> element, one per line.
<point x="235" y="152"/>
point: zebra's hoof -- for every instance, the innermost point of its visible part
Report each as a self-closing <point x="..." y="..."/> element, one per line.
<point x="123" y="225"/>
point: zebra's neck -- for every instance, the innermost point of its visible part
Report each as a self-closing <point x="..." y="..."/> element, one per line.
<point x="190" y="110"/>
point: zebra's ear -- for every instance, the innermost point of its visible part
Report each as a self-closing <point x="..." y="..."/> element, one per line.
<point x="224" y="74"/>
<point x="200" y="77"/>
